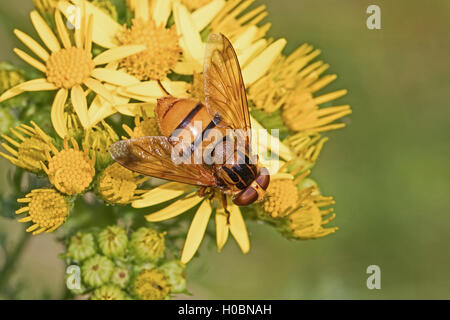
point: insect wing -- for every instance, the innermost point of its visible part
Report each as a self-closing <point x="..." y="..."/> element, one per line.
<point x="224" y="88"/>
<point x="153" y="156"/>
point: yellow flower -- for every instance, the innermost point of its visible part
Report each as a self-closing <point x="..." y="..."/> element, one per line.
<point x="70" y="170"/>
<point x="67" y="67"/>
<point x="161" y="54"/>
<point x="291" y="83"/>
<point x="47" y="210"/>
<point x="119" y="185"/>
<point x="149" y="29"/>
<point x="282" y="194"/>
<point x="307" y="222"/>
<point x="255" y="53"/>
<point x="31" y="148"/>
<point x="151" y="285"/>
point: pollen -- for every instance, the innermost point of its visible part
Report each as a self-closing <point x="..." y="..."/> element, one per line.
<point x="70" y="170"/>
<point x="161" y="55"/>
<point x="151" y="285"/>
<point x="67" y="68"/>
<point x="47" y="210"/>
<point x="119" y="185"/>
<point x="282" y="194"/>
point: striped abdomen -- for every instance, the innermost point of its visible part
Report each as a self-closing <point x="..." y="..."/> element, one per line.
<point x="188" y="118"/>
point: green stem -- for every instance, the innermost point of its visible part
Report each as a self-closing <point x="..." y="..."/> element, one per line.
<point x="11" y="261"/>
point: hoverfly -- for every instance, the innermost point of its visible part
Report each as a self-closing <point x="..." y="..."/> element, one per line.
<point x="224" y="107"/>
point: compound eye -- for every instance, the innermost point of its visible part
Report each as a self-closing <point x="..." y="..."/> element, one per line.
<point x="263" y="178"/>
<point x="246" y="197"/>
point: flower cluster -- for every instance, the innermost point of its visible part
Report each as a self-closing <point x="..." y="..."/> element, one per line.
<point x="96" y="72"/>
<point x="118" y="266"/>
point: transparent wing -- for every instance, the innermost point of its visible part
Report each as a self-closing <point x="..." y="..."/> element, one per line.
<point x="224" y="88"/>
<point x="152" y="156"/>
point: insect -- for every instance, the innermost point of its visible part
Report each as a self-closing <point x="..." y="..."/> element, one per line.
<point x="224" y="108"/>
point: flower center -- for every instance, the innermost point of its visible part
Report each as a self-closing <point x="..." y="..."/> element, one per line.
<point x="69" y="67"/>
<point x="48" y="208"/>
<point x="70" y="171"/>
<point x="161" y="55"/>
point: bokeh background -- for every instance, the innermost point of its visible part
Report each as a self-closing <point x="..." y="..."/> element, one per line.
<point x="388" y="170"/>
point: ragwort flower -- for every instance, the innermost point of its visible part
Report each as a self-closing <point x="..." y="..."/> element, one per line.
<point x="30" y="150"/>
<point x="66" y="67"/>
<point x="47" y="210"/>
<point x="70" y="170"/>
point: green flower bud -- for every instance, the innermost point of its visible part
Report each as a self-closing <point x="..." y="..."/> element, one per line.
<point x="109" y="292"/>
<point x="113" y="241"/>
<point x="151" y="285"/>
<point x="174" y="271"/>
<point x="97" y="271"/>
<point x="147" y="245"/>
<point x="81" y="246"/>
<point x="120" y="277"/>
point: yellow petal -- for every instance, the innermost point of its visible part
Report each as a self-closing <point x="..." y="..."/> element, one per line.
<point x="273" y="165"/>
<point x="222" y="228"/>
<point x="259" y="66"/>
<point x="32" y="44"/>
<point x="8" y="94"/>
<point x="196" y="231"/>
<point x="98" y="88"/>
<point x="204" y="15"/>
<point x="116" y="77"/>
<point x="135" y="109"/>
<point x="99" y="110"/>
<point x="44" y="31"/>
<point x="117" y="54"/>
<point x="190" y="40"/>
<point x="161" y="11"/>
<point x="89" y="30"/>
<point x="146" y="99"/>
<point x="37" y="85"/>
<point x="263" y="140"/>
<point x="188" y="67"/>
<point x="31" y="61"/>
<point x="104" y="30"/>
<point x="57" y="113"/>
<point x="166" y="192"/>
<point x="248" y="54"/>
<point x="153" y="90"/>
<point x="244" y="40"/>
<point x="238" y="229"/>
<point x="175" y="209"/>
<point x="142" y="10"/>
<point x="80" y="105"/>
<point x="62" y="31"/>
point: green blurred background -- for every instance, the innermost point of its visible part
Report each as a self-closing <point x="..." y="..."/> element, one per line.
<point x="388" y="170"/>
